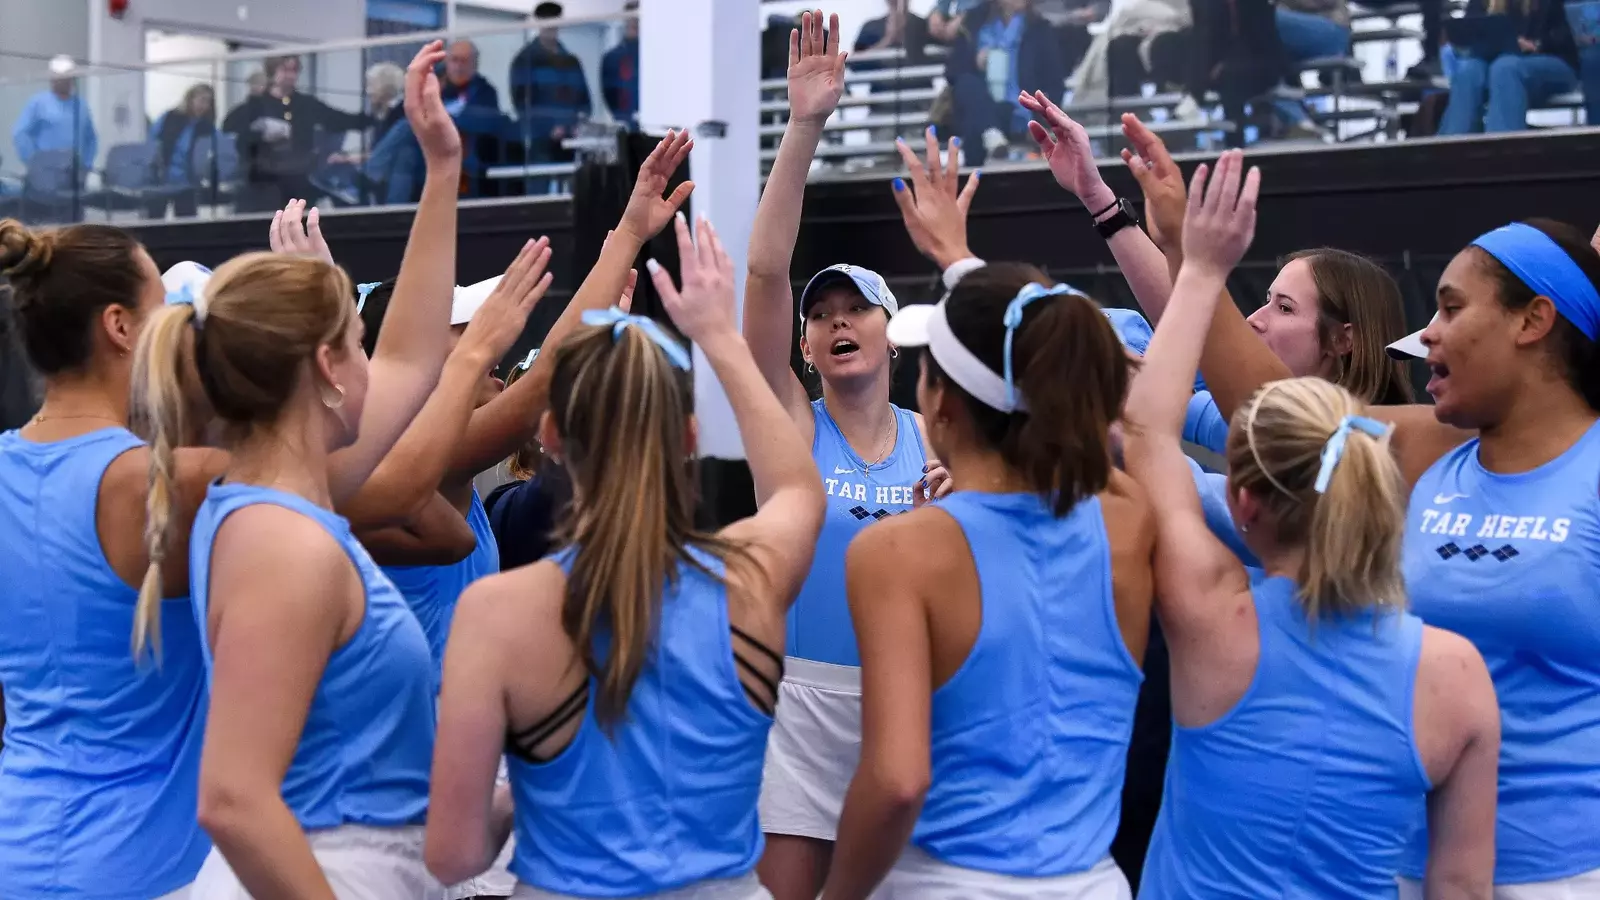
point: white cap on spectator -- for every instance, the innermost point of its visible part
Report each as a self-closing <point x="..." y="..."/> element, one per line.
<point x="1410" y="346"/>
<point x="62" y="66"/>
<point x="469" y="298"/>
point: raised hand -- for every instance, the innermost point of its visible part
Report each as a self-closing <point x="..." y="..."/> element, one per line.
<point x="648" y="212"/>
<point x="1165" y="200"/>
<point x="933" y="205"/>
<point x="1221" y="219"/>
<point x="1066" y="146"/>
<point x="704" y="309"/>
<point x="288" y="235"/>
<point x="432" y="125"/>
<point x="625" y="302"/>
<point x="499" y="321"/>
<point x="816" y="69"/>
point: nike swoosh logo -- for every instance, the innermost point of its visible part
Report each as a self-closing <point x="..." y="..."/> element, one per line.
<point x="1442" y="499"/>
<point x="839" y="471"/>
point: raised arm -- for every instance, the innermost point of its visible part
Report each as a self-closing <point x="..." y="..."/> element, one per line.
<point x="1066" y="146"/>
<point x="508" y="422"/>
<point x="1192" y="566"/>
<point x="416" y="332"/>
<point x="783" y="533"/>
<point x="816" y="82"/>
<point x="933" y="204"/>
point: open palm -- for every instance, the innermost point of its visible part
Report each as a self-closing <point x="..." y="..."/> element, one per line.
<point x="816" y="69"/>
<point x="430" y="121"/>
<point x="1064" y="144"/>
<point x="648" y="210"/>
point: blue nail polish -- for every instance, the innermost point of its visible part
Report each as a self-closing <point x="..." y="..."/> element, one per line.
<point x="922" y="485"/>
<point x="955" y="142"/>
<point x="899" y="140"/>
<point x="933" y="130"/>
<point x="976" y="172"/>
<point x="899" y="184"/>
<point x="925" y="467"/>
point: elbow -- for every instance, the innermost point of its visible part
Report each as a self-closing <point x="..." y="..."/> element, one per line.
<point x="225" y="808"/>
<point x="899" y="786"/>
<point x="448" y="861"/>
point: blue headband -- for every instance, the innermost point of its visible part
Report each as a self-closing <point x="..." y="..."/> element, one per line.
<point x="1333" y="450"/>
<point x="363" y="291"/>
<point x="618" y="320"/>
<point x="1548" y="271"/>
<point x="1013" y="320"/>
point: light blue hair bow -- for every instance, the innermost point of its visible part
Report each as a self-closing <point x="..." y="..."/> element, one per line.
<point x="363" y="291"/>
<point x="619" y="320"/>
<point x="185" y="295"/>
<point x="1013" y="320"/>
<point x="1333" y="450"/>
<point x="527" y="361"/>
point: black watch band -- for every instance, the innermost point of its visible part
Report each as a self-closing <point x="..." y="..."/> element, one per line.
<point x="1124" y="216"/>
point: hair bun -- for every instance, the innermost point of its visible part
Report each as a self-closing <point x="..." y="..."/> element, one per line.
<point x="24" y="254"/>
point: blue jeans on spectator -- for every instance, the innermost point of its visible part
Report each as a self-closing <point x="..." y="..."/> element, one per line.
<point x="1307" y="36"/>
<point x="1510" y="85"/>
<point x="1589" y="76"/>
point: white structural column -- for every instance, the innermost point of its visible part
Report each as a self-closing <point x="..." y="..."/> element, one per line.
<point x="700" y="68"/>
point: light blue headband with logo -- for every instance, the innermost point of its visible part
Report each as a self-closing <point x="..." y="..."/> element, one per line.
<point x="1013" y="320"/>
<point x="1333" y="450"/>
<point x="618" y="320"/>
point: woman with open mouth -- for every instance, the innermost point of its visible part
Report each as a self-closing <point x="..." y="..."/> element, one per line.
<point x="873" y="463"/>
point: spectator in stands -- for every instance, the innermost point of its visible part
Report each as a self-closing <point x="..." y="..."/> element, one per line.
<point x="463" y="86"/>
<point x="999" y="47"/>
<point x="1143" y="41"/>
<point x="1543" y="64"/>
<point x="549" y="91"/>
<point x="619" y="75"/>
<point x="275" y="131"/>
<point x="392" y="172"/>
<point x="1308" y="29"/>
<point x="1237" y="53"/>
<point x="174" y="135"/>
<point x="1072" y="19"/>
<point x="947" y="16"/>
<point x="899" y="30"/>
<point x="57" y="119"/>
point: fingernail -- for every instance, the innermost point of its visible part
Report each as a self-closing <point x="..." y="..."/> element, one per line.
<point x="925" y="467"/>
<point x="976" y="172"/>
<point x="681" y="216"/>
<point x="899" y="184"/>
<point x="955" y="142"/>
<point x="900" y="140"/>
<point x="922" y="485"/>
<point x="933" y="130"/>
<point x="652" y="265"/>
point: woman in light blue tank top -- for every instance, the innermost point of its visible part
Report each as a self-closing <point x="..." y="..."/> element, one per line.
<point x="314" y="767"/>
<point x="1002" y="627"/>
<point x="1314" y="718"/>
<point x="102" y="747"/>
<point x="874" y="463"/>
<point x="638" y="666"/>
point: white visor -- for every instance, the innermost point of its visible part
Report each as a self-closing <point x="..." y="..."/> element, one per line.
<point x="469" y="298"/>
<point x="1410" y="346"/>
<point x="925" y="325"/>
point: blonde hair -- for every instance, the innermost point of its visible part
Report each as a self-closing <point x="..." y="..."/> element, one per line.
<point x="1351" y="533"/>
<point x="523" y="464"/>
<point x="622" y="410"/>
<point x="264" y="316"/>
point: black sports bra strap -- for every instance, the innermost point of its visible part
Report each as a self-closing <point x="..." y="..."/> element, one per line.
<point x="523" y="743"/>
<point x="776" y="658"/>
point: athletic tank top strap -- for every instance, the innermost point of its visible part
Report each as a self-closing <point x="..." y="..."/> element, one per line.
<point x="1030" y="735"/>
<point x="819" y="626"/>
<point x="1309" y="785"/>
<point x="367" y="745"/>
<point x="102" y="755"/>
<point x="432" y="592"/>
<point x="666" y="797"/>
<point x="1511" y="562"/>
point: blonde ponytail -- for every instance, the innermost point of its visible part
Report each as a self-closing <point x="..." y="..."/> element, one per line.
<point x="156" y="411"/>
<point x="1351" y="531"/>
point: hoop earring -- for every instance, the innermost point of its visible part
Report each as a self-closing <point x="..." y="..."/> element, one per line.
<point x="810" y="369"/>
<point x="894" y="352"/>
<point x="333" y="404"/>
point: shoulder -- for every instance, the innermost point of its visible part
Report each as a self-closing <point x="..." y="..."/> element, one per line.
<point x="267" y="534"/>
<point x="511" y="608"/>
<point x="1450" y="670"/>
<point x="924" y="542"/>
<point x="1125" y="503"/>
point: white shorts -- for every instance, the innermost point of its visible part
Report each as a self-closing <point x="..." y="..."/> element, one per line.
<point x="179" y="894"/>
<point x="918" y="876"/>
<point x="498" y="881"/>
<point x="1583" y="886"/>
<point x="745" y="887"/>
<point x="813" y="749"/>
<point x="361" y="863"/>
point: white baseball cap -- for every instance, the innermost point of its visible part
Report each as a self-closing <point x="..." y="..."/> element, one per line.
<point x="1410" y="346"/>
<point x="468" y="299"/>
<point x="185" y="282"/>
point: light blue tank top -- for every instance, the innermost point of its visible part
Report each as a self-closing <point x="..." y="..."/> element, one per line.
<point x="1030" y="736"/>
<point x="1309" y="785"/>
<point x="858" y="495"/>
<point x="433" y="591"/>
<point x="101" y="761"/>
<point x="367" y="745"/>
<point x="1203" y="423"/>
<point x="1512" y="563"/>
<point x="670" y="798"/>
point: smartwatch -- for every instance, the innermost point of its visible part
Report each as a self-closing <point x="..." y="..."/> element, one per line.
<point x="1124" y="216"/>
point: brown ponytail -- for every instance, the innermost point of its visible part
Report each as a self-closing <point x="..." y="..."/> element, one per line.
<point x="1351" y="534"/>
<point x="623" y="410"/>
<point x="1069" y="366"/>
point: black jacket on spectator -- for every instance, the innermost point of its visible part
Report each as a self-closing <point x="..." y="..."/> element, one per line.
<point x="264" y="161"/>
<point x="1041" y="64"/>
<point x="1236" y="50"/>
<point x="1542" y="21"/>
<point x="171" y="127"/>
<point x="479" y="93"/>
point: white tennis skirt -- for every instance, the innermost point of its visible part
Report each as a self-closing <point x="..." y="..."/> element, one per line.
<point x="918" y="876"/>
<point x="745" y="887"/>
<point x="498" y="881"/>
<point x="360" y="863"/>
<point x="1583" y="886"/>
<point x="813" y="749"/>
